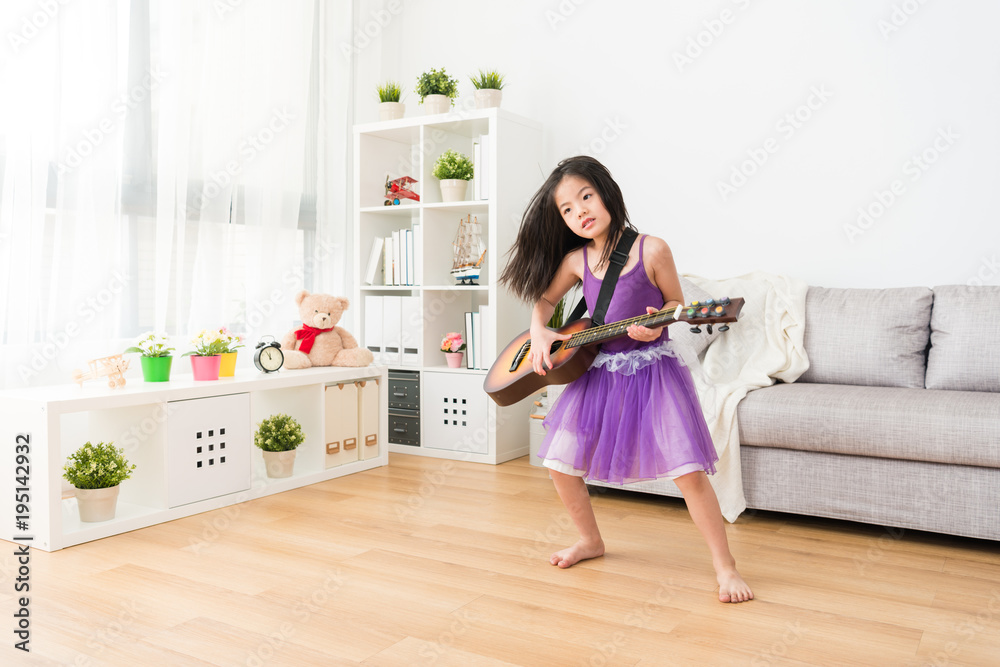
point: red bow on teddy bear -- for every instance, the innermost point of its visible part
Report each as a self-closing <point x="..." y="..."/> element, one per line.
<point x="307" y="335"/>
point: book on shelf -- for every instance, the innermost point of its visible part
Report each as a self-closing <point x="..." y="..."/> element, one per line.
<point x="387" y="261"/>
<point x="488" y="337"/>
<point x="409" y="257"/>
<point x="373" y="258"/>
<point x="397" y="266"/>
<point x="469" y="333"/>
<point x="477" y="340"/>
<point x="476" y="167"/>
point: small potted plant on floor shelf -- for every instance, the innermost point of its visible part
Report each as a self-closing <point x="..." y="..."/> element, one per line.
<point x="156" y="359"/>
<point x="96" y="471"/>
<point x="454" y="171"/>
<point x="488" y="85"/>
<point x="277" y="437"/>
<point x="438" y="90"/>
<point x="206" y="357"/>
<point x="390" y="108"/>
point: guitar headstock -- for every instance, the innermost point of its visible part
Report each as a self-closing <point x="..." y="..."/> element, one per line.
<point x="711" y="311"/>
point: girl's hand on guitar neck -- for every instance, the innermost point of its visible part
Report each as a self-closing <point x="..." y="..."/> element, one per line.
<point x="541" y="343"/>
<point x="645" y="334"/>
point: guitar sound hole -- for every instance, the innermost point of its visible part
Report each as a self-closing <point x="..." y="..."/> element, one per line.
<point x="555" y="346"/>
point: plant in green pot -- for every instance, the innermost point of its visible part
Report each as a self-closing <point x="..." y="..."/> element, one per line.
<point x="156" y="358"/>
<point x="488" y="84"/>
<point x="277" y="437"/>
<point x="96" y="471"/>
<point x="390" y="106"/>
<point x="454" y="171"/>
<point x="438" y="90"/>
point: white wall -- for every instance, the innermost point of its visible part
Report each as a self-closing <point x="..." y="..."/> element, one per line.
<point x="604" y="78"/>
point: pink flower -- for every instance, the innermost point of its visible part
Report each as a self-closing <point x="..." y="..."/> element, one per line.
<point x="452" y="342"/>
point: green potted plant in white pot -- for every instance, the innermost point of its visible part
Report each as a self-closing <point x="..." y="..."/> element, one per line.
<point x="454" y="171"/>
<point x="97" y="471"/>
<point x="277" y="437"/>
<point x="437" y="90"/>
<point x="488" y="85"/>
<point x="390" y="107"/>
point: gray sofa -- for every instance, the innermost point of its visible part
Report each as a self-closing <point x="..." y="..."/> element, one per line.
<point x="897" y="420"/>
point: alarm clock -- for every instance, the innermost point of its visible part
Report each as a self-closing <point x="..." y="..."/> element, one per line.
<point x="268" y="357"/>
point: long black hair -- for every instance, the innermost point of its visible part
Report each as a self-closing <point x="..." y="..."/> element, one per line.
<point x="544" y="238"/>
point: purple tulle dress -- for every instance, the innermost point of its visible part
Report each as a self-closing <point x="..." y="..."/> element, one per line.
<point x="634" y="415"/>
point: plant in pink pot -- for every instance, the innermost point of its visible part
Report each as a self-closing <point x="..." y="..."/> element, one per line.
<point x="453" y="346"/>
<point x="206" y="358"/>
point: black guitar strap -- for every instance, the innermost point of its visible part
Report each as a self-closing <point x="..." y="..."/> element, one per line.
<point x="618" y="259"/>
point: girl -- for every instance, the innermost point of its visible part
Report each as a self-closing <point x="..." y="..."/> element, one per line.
<point x="634" y="414"/>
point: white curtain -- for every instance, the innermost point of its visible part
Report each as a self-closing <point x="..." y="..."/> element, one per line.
<point x="160" y="169"/>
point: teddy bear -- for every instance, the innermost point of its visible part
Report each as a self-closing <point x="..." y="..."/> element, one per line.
<point x="319" y="341"/>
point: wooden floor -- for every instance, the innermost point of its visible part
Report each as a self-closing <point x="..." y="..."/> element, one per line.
<point x="429" y="562"/>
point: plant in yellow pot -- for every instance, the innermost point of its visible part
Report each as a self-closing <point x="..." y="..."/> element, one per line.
<point x="96" y="471"/>
<point x="277" y="437"/>
<point x="231" y="342"/>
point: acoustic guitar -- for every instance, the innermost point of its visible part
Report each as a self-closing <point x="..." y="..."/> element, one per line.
<point x="512" y="377"/>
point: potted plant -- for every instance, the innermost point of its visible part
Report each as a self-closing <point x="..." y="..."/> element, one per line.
<point x="277" y="437"/>
<point x="96" y="471"/>
<point x="390" y="108"/>
<point x="454" y="170"/>
<point x="453" y="347"/>
<point x="438" y="90"/>
<point x="156" y="359"/>
<point x="488" y="85"/>
<point x="206" y="359"/>
<point x="231" y="342"/>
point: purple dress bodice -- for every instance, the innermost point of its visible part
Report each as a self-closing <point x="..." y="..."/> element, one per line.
<point x="633" y="292"/>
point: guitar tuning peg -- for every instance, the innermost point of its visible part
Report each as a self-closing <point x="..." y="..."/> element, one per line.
<point x="709" y="327"/>
<point x="724" y="327"/>
<point x="695" y="330"/>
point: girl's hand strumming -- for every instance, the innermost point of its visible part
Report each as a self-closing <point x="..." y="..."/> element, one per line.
<point x="541" y="343"/>
<point x="644" y="334"/>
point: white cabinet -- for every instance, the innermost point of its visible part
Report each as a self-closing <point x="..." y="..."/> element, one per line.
<point x="191" y="442"/>
<point x="405" y="323"/>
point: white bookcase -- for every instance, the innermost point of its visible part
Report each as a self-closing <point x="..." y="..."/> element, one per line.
<point x="452" y="416"/>
<point x="192" y="443"/>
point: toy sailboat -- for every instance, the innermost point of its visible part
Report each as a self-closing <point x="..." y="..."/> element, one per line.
<point x="469" y="252"/>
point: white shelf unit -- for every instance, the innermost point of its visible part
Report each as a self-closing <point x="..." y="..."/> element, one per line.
<point x="410" y="147"/>
<point x="144" y="419"/>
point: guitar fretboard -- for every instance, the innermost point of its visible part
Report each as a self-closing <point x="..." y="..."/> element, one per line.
<point x="615" y="329"/>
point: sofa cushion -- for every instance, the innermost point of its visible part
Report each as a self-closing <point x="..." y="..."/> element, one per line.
<point x="959" y="427"/>
<point x="871" y="337"/>
<point x="965" y="339"/>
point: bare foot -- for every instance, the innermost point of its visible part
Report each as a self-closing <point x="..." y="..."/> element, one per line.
<point x="580" y="551"/>
<point x="732" y="588"/>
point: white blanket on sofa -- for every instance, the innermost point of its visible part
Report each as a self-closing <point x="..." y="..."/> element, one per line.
<point x="766" y="344"/>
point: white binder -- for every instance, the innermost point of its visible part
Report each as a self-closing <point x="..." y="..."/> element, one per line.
<point x="391" y="330"/>
<point x="373" y="326"/>
<point x="412" y="330"/>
